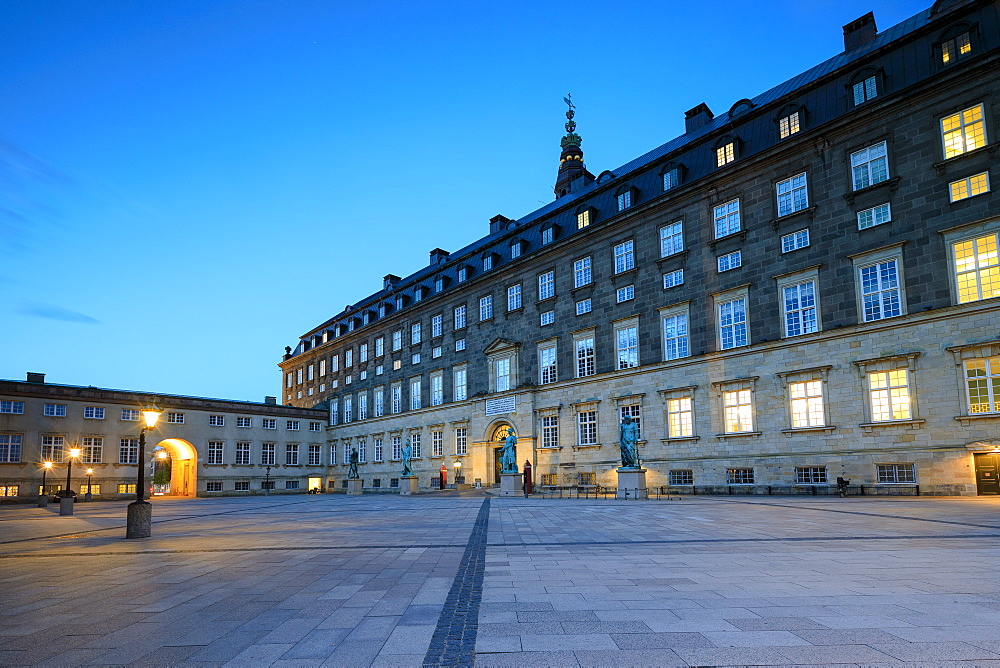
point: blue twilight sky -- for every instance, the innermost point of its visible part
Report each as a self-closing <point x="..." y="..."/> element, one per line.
<point x="188" y="186"/>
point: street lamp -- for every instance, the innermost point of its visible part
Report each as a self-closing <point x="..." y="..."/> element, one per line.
<point x="66" y="495"/>
<point x="90" y="483"/>
<point x="139" y="517"/>
<point x="267" y="481"/>
<point x="458" y="474"/>
<point x="43" y="498"/>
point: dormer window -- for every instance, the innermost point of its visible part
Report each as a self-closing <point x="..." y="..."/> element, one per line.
<point x="671" y="173"/>
<point x="626" y="196"/>
<point x="866" y="85"/>
<point x="726" y="150"/>
<point x="549" y="233"/>
<point x="955" y="43"/>
<point x="515" y="248"/>
<point x="790" y="120"/>
<point x="400" y="301"/>
<point x="740" y="108"/>
<point x="585" y="216"/>
<point x="487" y="262"/>
<point x="418" y="293"/>
<point x="382" y="309"/>
<point x="350" y="324"/>
<point x="463" y="274"/>
<point x="439" y="283"/>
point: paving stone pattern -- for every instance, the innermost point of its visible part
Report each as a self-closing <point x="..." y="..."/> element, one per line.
<point x="456" y="579"/>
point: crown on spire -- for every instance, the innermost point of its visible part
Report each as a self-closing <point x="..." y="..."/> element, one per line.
<point x="571" y="167"/>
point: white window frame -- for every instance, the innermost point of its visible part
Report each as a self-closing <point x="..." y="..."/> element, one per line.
<point x="971" y="186"/>
<point x="878" y="258"/>
<point x="792" y="194"/>
<point x="730" y="261"/>
<point x="675" y="329"/>
<point x="584" y="353"/>
<point x="672" y="279"/>
<point x="485" y="308"/>
<point x="726" y="218"/>
<point x="624" y="256"/>
<point x="548" y="360"/>
<point x="798" y="295"/>
<point x="870" y="166"/>
<point x="582" y="272"/>
<point x="546" y="285"/>
<point x="672" y="238"/>
<point x="789" y="125"/>
<point x="626" y="333"/>
<point x="963" y="131"/>
<point x="513" y="297"/>
<point x="732" y="318"/>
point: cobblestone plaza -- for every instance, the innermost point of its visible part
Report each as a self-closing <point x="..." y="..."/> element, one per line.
<point x="449" y="579"/>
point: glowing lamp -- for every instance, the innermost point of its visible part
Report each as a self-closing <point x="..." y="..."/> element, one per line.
<point x="162" y="454"/>
<point x="47" y="465"/>
<point x="151" y="413"/>
<point x="74" y="452"/>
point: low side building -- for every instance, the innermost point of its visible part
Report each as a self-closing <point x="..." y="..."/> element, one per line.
<point x="210" y="446"/>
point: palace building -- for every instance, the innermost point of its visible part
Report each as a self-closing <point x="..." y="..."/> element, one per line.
<point x="204" y="447"/>
<point x="802" y="287"/>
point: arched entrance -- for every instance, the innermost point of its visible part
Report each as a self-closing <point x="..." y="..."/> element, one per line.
<point x="496" y="437"/>
<point x="183" y="466"/>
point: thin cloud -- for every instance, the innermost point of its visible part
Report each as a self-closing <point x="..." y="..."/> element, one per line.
<point x="52" y="312"/>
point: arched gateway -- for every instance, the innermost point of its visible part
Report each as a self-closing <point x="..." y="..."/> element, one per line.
<point x="183" y="465"/>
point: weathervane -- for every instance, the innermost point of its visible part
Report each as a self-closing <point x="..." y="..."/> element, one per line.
<point x="570" y="112"/>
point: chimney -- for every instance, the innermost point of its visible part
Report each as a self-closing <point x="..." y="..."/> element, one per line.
<point x="499" y="223"/>
<point x="859" y="32"/>
<point x="36" y="377"/>
<point x="697" y="117"/>
<point x="438" y="255"/>
<point x="389" y="281"/>
<point x="272" y="401"/>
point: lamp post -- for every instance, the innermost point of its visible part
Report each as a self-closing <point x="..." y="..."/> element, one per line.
<point x="90" y="483"/>
<point x="66" y="495"/>
<point x="458" y="474"/>
<point x="267" y="481"/>
<point x="43" y="498"/>
<point x="139" y="518"/>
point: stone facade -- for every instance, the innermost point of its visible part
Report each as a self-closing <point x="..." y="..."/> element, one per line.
<point x="841" y="180"/>
<point x="212" y="446"/>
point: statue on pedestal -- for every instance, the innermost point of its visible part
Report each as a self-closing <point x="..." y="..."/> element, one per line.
<point x="508" y="455"/>
<point x="352" y="473"/>
<point x="407" y="456"/>
<point x="628" y="437"/>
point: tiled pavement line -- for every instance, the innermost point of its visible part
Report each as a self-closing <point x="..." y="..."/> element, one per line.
<point x="780" y="539"/>
<point x="454" y="640"/>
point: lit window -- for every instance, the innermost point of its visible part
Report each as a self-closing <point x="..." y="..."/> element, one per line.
<point x="582" y="219"/>
<point x="977" y="268"/>
<point x="969" y="187"/>
<point x="880" y="295"/>
<point x="546" y="285"/>
<point x="624" y="257"/>
<point x="799" y="305"/>
<point x="671" y="239"/>
<point x="792" y="195"/>
<point x="547" y="318"/>
<point x="680" y="418"/>
<point x="963" y="132"/>
<point x="788" y="125"/>
<point x="485" y="307"/>
<point x="955" y="48"/>
<point x="514" y="297"/>
<point x="738" y="411"/>
<point x="874" y="216"/>
<point x="547" y="364"/>
<point x="460" y="317"/>
<point x="585" y="356"/>
<point x="673" y="278"/>
<point x="627" y="343"/>
<point x="730" y="261"/>
<point x="727" y="218"/>
<point x="583" y="306"/>
<point x="982" y="380"/>
<point x="865" y="90"/>
<point x="733" y="331"/>
<point x="725" y="154"/>
<point x="889" y="392"/>
<point x="807" y="404"/>
<point x="581" y="272"/>
<point x="870" y="166"/>
<point x="794" y="241"/>
<point x="624" y="200"/>
<point x="625" y="294"/>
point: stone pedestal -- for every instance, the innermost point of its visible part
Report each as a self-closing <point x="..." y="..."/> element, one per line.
<point x="139" y="520"/>
<point x="511" y="484"/>
<point x="66" y="505"/>
<point x="354" y="487"/>
<point x="88" y="497"/>
<point x="43" y="500"/>
<point x="408" y="485"/>
<point x="631" y="483"/>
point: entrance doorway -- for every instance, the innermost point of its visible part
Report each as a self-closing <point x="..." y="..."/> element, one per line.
<point x="987" y="480"/>
<point x="497" y="439"/>
<point x="316" y="483"/>
<point x="183" y="460"/>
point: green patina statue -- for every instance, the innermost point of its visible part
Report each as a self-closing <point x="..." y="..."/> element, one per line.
<point x="352" y="473"/>
<point x="628" y="438"/>
<point x="407" y="456"/>
<point x="508" y="455"/>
